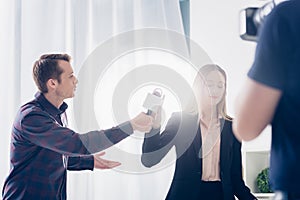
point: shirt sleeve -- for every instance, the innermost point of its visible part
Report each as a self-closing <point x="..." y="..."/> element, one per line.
<point x="39" y="128"/>
<point x="81" y="162"/>
<point x="273" y="51"/>
<point x="96" y="141"/>
<point x="239" y="188"/>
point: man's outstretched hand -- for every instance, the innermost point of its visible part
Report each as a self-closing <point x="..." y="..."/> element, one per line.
<point x="100" y="163"/>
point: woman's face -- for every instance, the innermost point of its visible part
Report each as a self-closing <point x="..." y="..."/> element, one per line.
<point x="213" y="88"/>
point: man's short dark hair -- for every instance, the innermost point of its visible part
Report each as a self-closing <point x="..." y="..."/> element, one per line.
<point x="46" y="68"/>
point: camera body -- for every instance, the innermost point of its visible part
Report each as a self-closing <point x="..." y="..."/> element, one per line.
<point x="248" y="29"/>
<point x="252" y="18"/>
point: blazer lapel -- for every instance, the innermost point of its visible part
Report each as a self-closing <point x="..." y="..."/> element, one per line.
<point x="226" y="144"/>
<point x="197" y="144"/>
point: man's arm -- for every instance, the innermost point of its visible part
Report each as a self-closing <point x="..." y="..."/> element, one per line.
<point x="254" y="109"/>
<point x="96" y="141"/>
<point x="42" y="130"/>
<point x="90" y="162"/>
<point x="84" y="162"/>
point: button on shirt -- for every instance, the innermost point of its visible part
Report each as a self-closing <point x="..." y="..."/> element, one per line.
<point x="39" y="142"/>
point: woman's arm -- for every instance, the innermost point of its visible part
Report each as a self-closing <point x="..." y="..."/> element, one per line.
<point x="240" y="190"/>
<point x="156" y="145"/>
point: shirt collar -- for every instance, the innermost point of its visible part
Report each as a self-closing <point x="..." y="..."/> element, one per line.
<point x="48" y="106"/>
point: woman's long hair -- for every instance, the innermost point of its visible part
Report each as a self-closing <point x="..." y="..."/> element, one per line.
<point x="193" y="105"/>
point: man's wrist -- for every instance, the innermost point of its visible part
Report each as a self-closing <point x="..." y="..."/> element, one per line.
<point x="127" y="127"/>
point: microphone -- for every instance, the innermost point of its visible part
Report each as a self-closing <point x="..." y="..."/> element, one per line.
<point x="153" y="101"/>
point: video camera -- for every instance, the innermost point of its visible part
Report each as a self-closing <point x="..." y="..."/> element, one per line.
<point x="251" y="19"/>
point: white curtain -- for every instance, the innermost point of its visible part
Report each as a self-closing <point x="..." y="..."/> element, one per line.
<point x="33" y="27"/>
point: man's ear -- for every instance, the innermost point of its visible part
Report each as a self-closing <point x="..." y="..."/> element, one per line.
<point x="52" y="84"/>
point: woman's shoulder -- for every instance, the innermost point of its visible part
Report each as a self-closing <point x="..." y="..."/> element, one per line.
<point x="228" y="127"/>
<point x="228" y="121"/>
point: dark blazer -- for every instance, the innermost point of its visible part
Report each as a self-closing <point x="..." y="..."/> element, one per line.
<point x="184" y="132"/>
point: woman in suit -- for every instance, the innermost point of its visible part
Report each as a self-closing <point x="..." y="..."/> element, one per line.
<point x="208" y="164"/>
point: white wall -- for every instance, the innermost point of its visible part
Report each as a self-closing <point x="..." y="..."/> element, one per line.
<point x="215" y="27"/>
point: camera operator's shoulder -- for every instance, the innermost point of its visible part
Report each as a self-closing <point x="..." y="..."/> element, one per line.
<point x="286" y="8"/>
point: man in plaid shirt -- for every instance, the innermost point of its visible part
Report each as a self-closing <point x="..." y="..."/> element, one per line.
<point x="42" y="148"/>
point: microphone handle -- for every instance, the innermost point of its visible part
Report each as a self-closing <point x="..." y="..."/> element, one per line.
<point x="149" y="112"/>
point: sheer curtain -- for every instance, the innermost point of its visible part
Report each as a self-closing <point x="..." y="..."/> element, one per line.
<point x="33" y="27"/>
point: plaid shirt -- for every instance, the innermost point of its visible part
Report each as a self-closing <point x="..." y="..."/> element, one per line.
<point x="42" y="149"/>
